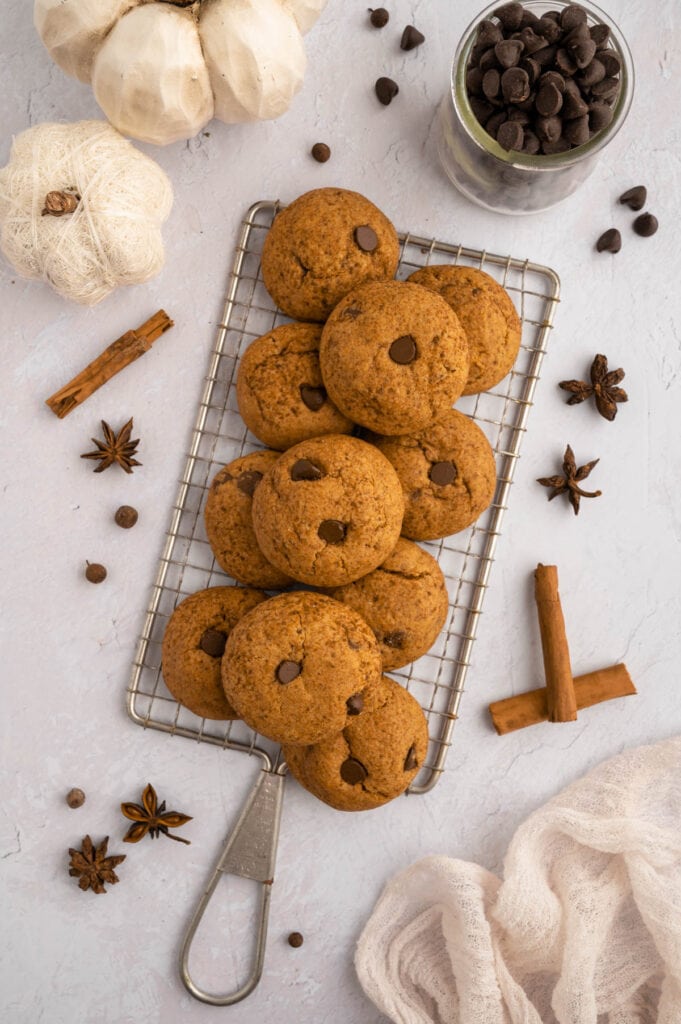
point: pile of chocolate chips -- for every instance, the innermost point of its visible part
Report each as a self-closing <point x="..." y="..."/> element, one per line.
<point x="542" y="84"/>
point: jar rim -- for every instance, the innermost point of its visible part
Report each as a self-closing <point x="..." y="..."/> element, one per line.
<point x="542" y="162"/>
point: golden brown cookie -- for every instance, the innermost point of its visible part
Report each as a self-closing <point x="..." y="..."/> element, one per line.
<point x="322" y="245"/>
<point x="372" y="760"/>
<point x="229" y="522"/>
<point x="487" y="315"/>
<point x="193" y="645"/>
<point x="393" y="356"/>
<point x="301" y="667"/>
<point x="328" y="511"/>
<point x="447" y="472"/>
<point x="279" y="388"/>
<point x="404" y="601"/>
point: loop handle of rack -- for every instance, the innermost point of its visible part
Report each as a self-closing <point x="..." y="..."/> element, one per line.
<point x="250" y="851"/>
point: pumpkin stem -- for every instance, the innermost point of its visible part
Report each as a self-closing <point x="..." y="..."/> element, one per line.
<point x="59" y="203"/>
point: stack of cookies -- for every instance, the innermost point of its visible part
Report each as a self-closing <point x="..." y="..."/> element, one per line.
<point x="365" y="455"/>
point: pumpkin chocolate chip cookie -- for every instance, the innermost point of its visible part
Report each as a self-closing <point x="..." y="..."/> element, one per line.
<point x="322" y="245"/>
<point x="393" y="356"/>
<point x="279" y="388"/>
<point x="229" y="522"/>
<point x="487" y="315"/>
<point x="193" y="645"/>
<point x="302" y="669"/>
<point x="447" y="472"/>
<point x="372" y="760"/>
<point x="404" y="601"/>
<point x="328" y="511"/>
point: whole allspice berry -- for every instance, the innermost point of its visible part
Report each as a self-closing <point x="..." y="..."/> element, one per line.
<point x="94" y="572"/>
<point x="75" y="797"/>
<point x="126" y="516"/>
<point x="321" y="152"/>
<point x="295" y="939"/>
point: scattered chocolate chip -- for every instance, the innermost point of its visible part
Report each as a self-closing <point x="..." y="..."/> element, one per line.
<point x="610" y="241"/>
<point x="531" y="144"/>
<point x="312" y="397"/>
<point x="515" y="85"/>
<point x="411" y="38"/>
<point x="573" y="103"/>
<point x="495" y="122"/>
<point x="379" y="17"/>
<point x="510" y="15"/>
<point x="634" y="198"/>
<point x="531" y="41"/>
<point x="510" y="135"/>
<point x="410" y="761"/>
<point x="94" y="572"/>
<point x="213" y="642"/>
<point x="287" y="671"/>
<point x="332" y="531"/>
<point x="549" y="100"/>
<point x="488" y="60"/>
<point x="355" y="704"/>
<point x="321" y="152"/>
<point x="353" y="771"/>
<point x="545" y="56"/>
<point x="583" y="52"/>
<point x="395" y="639"/>
<point x="645" y="225"/>
<point x="126" y="516"/>
<point x="303" y="469"/>
<point x="75" y="798"/>
<point x="572" y="16"/>
<point x="386" y="90"/>
<point x="530" y="65"/>
<point x="550" y="147"/>
<point x="403" y="350"/>
<point x="549" y="29"/>
<point x="529" y="19"/>
<point x="565" y="63"/>
<point x="474" y="77"/>
<point x="295" y="939"/>
<point x="508" y="52"/>
<point x="366" y="238"/>
<point x="481" y="108"/>
<point x="248" y="481"/>
<point x="443" y="473"/>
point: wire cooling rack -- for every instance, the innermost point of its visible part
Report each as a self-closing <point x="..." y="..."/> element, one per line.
<point x="219" y="436"/>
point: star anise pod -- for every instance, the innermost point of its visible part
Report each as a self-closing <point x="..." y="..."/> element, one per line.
<point x="569" y="483"/>
<point x="152" y="818"/>
<point x="115" y="448"/>
<point x="91" y="866"/>
<point x="603" y="387"/>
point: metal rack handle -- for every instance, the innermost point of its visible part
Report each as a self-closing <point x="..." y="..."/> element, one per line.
<point x="250" y="851"/>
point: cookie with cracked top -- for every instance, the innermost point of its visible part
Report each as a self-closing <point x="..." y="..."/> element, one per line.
<point x="279" y="388"/>
<point x="301" y="667"/>
<point x="447" y="472"/>
<point x="328" y="511"/>
<point x="324" y="243"/>
<point x="194" y="643"/>
<point x="393" y="356"/>
<point x="229" y="522"/>
<point x="373" y="760"/>
<point x="404" y="601"/>
<point x="487" y="315"/>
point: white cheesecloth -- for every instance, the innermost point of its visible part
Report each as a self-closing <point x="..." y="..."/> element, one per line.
<point x="585" y="927"/>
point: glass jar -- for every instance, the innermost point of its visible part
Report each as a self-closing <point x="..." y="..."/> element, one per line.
<point x="510" y="182"/>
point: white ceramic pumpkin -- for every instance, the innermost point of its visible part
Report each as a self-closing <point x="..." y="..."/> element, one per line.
<point x="161" y="69"/>
<point x="82" y="209"/>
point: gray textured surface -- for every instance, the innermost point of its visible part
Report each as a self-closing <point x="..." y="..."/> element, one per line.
<point x="67" y="956"/>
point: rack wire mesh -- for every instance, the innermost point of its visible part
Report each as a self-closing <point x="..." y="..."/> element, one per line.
<point x="220" y="435"/>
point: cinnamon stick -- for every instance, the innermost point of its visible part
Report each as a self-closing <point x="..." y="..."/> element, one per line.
<point x="560" y="691"/>
<point x="532" y="707"/>
<point x="116" y="357"/>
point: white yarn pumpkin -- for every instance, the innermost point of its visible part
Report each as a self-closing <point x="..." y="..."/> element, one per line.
<point x="113" y="236"/>
<point x="161" y="69"/>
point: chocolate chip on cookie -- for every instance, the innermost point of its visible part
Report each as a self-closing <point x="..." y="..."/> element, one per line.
<point x="353" y="771"/>
<point x="304" y="469"/>
<point x="213" y="642"/>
